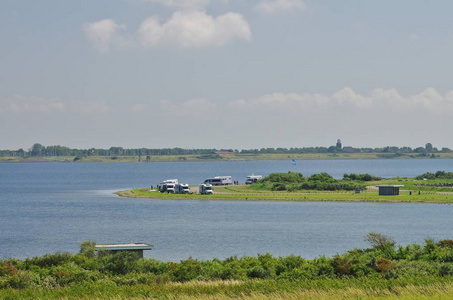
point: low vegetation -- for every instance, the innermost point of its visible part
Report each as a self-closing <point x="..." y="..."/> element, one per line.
<point x="381" y="269"/>
<point x="293" y="181"/>
<point x="437" y="175"/>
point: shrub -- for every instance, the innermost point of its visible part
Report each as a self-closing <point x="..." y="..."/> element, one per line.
<point x="258" y="272"/>
<point x="445" y="244"/>
<point x="383" y="265"/>
<point x="87" y="248"/>
<point x="379" y="241"/>
<point x="186" y="270"/>
<point x="122" y="262"/>
<point x="341" y="265"/>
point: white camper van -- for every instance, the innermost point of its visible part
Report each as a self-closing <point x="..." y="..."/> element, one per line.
<point x="205" y="189"/>
<point x="182" y="188"/>
<point x="168" y="186"/>
<point x="252" y="179"/>
<point x="219" y="180"/>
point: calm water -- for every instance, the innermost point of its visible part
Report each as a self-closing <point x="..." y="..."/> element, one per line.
<point x="47" y="207"/>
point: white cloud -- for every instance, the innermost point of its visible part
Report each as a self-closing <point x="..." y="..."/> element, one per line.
<point x="139" y="108"/>
<point x="273" y="6"/>
<point x="194" y="29"/>
<point x="190" y="4"/>
<point x="193" y="107"/>
<point x="88" y="107"/>
<point x="26" y="104"/>
<point x="102" y="33"/>
<point x="30" y="104"/>
<point x="429" y="101"/>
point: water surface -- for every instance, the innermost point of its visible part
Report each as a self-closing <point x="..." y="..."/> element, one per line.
<point x="47" y="207"/>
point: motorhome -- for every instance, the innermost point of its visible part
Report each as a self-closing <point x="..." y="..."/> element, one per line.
<point x="168" y="186"/>
<point x="205" y="189"/>
<point x="182" y="188"/>
<point x="219" y="180"/>
<point x="175" y="181"/>
<point x="252" y="179"/>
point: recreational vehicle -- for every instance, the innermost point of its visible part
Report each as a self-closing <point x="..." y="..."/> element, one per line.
<point x="252" y="179"/>
<point x="182" y="188"/>
<point x="219" y="180"/>
<point x="205" y="189"/>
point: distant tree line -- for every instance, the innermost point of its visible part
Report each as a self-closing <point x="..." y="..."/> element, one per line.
<point x="39" y="150"/>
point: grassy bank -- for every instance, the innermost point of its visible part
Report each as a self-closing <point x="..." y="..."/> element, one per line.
<point x="225" y="157"/>
<point x="416" y="271"/>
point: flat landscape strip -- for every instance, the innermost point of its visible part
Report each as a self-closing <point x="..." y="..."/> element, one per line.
<point x="245" y="193"/>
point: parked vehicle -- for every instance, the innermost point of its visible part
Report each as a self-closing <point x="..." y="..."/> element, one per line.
<point x="175" y="181"/>
<point x="182" y="188"/>
<point x="252" y="179"/>
<point x="168" y="186"/>
<point x="219" y="180"/>
<point x="205" y="189"/>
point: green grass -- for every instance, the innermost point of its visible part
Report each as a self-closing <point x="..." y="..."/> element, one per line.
<point x="251" y="193"/>
<point x="415" y="185"/>
<point x="418" y="288"/>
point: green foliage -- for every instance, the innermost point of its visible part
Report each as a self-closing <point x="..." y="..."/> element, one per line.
<point x="361" y="177"/>
<point x="437" y="175"/>
<point x="122" y="262"/>
<point x="383" y="263"/>
<point x="379" y="241"/>
<point x="293" y="181"/>
<point x="87" y="248"/>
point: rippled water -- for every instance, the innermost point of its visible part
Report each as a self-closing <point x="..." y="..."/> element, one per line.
<point x="47" y="207"/>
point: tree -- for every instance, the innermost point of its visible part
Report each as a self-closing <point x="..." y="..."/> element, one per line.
<point x="429" y="147"/>
<point x="37" y="150"/>
<point x="379" y="241"/>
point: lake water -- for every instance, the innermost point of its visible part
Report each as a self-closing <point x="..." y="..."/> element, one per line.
<point x="48" y="207"/>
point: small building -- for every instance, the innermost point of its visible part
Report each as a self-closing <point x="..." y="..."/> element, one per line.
<point x="389" y="190"/>
<point x="349" y="149"/>
<point x="114" y="248"/>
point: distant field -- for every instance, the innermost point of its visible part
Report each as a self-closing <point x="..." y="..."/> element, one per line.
<point x="226" y="157"/>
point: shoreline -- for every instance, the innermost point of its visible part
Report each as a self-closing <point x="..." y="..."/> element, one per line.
<point x="223" y="194"/>
<point x="225" y="157"/>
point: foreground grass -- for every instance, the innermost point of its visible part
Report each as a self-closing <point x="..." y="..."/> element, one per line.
<point x="248" y="193"/>
<point x="417" y="288"/>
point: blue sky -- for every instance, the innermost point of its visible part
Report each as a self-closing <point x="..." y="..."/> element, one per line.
<point x="225" y="73"/>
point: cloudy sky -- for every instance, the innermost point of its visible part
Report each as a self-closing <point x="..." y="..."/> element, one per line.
<point x="226" y="73"/>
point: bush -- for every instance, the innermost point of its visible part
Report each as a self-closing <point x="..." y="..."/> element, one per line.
<point x="87" y="248"/>
<point x="122" y="262"/>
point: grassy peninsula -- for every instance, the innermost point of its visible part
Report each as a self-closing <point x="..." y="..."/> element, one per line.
<point x="382" y="271"/>
<point x="293" y="186"/>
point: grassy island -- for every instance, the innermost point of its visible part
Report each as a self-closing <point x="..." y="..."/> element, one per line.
<point x="382" y="271"/>
<point x="426" y="188"/>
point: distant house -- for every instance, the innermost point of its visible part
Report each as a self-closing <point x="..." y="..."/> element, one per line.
<point x="102" y="249"/>
<point x="349" y="149"/>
